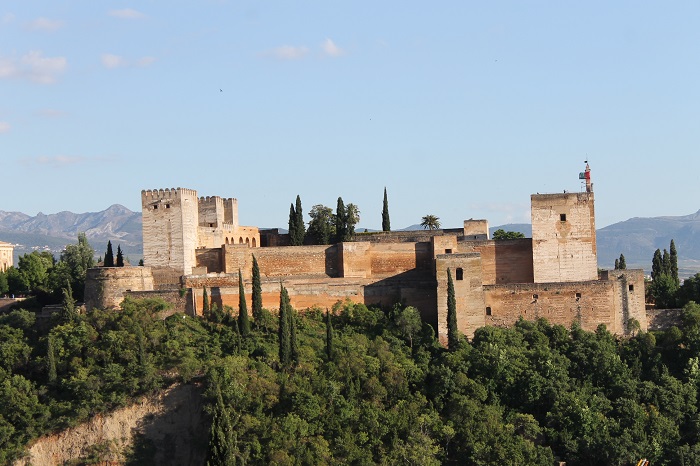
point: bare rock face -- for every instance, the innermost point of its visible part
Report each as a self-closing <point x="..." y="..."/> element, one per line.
<point x="166" y="428"/>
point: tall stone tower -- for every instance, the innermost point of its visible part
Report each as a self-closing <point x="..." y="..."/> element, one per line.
<point x="563" y="236"/>
<point x="170" y="222"/>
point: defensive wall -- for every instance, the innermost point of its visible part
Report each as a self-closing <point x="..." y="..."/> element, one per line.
<point x="105" y="287"/>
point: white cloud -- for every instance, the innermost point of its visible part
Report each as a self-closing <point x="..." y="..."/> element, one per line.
<point x="289" y="52"/>
<point x="127" y="13"/>
<point x="330" y="49"/>
<point x="4" y="127"/>
<point x="45" y="24"/>
<point x="33" y="66"/>
<point x="113" y="61"/>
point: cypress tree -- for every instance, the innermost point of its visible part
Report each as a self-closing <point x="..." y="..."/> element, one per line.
<point x="617" y="264"/>
<point x="222" y="449"/>
<point x="329" y="336"/>
<point x="292" y="226"/>
<point x="120" y="256"/>
<point x="300" y="227"/>
<point x="674" y="263"/>
<point x="666" y="263"/>
<point x="243" y="322"/>
<point x="452" y="332"/>
<point x="51" y="360"/>
<point x="386" y="224"/>
<point x="284" y="331"/>
<point x="293" y="348"/>
<point x="257" y="291"/>
<point x="109" y="256"/>
<point x="623" y="263"/>
<point x="341" y="221"/>
<point x="68" y="310"/>
<point x="205" y="302"/>
<point x="656" y="265"/>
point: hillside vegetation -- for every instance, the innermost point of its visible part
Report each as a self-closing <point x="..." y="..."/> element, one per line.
<point x="365" y="386"/>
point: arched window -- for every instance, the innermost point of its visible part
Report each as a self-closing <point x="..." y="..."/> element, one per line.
<point x="254" y="243"/>
<point x="240" y="240"/>
<point x="247" y="241"/>
<point x="226" y="240"/>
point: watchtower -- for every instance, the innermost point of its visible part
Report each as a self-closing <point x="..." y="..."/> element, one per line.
<point x="170" y="221"/>
<point x="563" y="236"/>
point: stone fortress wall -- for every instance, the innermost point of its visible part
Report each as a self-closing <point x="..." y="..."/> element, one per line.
<point x="6" y="259"/>
<point x="552" y="275"/>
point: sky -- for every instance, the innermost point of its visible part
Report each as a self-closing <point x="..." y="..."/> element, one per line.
<point x="461" y="109"/>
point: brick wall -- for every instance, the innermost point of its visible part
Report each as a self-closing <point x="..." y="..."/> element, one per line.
<point x="465" y="269"/>
<point x="503" y="261"/>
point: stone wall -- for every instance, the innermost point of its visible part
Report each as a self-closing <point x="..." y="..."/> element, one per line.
<point x="211" y="259"/>
<point x="395" y="258"/>
<point x="105" y="287"/>
<point x="6" y="259"/>
<point x="503" y="261"/>
<point x="563" y="237"/>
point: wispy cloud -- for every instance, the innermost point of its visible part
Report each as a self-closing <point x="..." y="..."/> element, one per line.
<point x="116" y="61"/>
<point x="127" y="13"/>
<point x="33" y="66"/>
<point x="4" y="127"/>
<point x="330" y="49"/>
<point x="55" y="161"/>
<point x="287" y="52"/>
<point x="45" y="24"/>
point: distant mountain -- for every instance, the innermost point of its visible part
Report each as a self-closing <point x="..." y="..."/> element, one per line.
<point x="53" y="232"/>
<point x="636" y="238"/>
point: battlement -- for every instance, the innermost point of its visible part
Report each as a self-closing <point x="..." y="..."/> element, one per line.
<point x="154" y="195"/>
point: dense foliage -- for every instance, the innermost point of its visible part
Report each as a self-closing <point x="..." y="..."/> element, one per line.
<point x="501" y="234"/>
<point x="366" y="386"/>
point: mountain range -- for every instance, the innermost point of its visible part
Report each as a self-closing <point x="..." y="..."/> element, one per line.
<point x="636" y="238"/>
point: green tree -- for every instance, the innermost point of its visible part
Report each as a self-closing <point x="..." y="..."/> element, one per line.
<point x="501" y="234"/>
<point x="386" y="223"/>
<point x="68" y="310"/>
<point x="409" y="323"/>
<point x="50" y="361"/>
<point x="622" y="263"/>
<point x="222" y="445"/>
<point x="452" y="331"/>
<point x="340" y="221"/>
<point x="78" y="258"/>
<point x="243" y="322"/>
<point x="292" y="226"/>
<point x="617" y="264"/>
<point x="321" y="225"/>
<point x="293" y="344"/>
<point x="352" y="218"/>
<point x="257" y="291"/>
<point x="120" y="256"/>
<point x="300" y="226"/>
<point x="205" y="302"/>
<point x="673" y="257"/>
<point x="430" y="222"/>
<point x="284" y="330"/>
<point x="109" y="256"/>
<point x="4" y="286"/>
<point x="34" y="270"/>
<point x="657" y="266"/>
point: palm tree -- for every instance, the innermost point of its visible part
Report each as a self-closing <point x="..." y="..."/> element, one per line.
<point x="430" y="222"/>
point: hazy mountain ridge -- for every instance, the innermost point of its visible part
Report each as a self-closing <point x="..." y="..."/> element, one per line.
<point x="636" y="238"/>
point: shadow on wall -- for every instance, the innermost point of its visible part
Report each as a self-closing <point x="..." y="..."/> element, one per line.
<point x="412" y="288"/>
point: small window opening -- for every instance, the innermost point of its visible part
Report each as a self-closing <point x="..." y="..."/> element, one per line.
<point x="578" y="296"/>
<point x="488" y="310"/>
<point x="631" y="287"/>
<point x="211" y="225"/>
<point x="459" y="274"/>
<point x="562" y="217"/>
<point x="155" y="207"/>
<point x="167" y="206"/>
<point x="448" y="251"/>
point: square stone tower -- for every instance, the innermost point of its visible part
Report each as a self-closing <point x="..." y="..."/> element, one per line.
<point x="563" y="237"/>
<point x="170" y="222"/>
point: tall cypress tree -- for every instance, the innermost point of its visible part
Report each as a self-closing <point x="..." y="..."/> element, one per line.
<point x="666" y="263"/>
<point x="617" y="264"/>
<point x="284" y="331"/>
<point x="292" y="226"/>
<point x="257" y="291"/>
<point x="109" y="257"/>
<point x="51" y="360"/>
<point x="674" y="263"/>
<point x="293" y="348"/>
<point x="243" y="322"/>
<point x="205" y="302"/>
<point x="222" y="449"/>
<point x="656" y="265"/>
<point x="386" y="224"/>
<point x="452" y="332"/>
<point x="329" y="336"/>
<point x="341" y="221"/>
<point x="300" y="227"/>
<point x="622" y="262"/>
<point x="120" y="256"/>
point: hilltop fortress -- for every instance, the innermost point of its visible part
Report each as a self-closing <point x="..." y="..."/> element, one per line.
<point x="193" y="243"/>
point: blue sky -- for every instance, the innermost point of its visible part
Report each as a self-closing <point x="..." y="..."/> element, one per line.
<point x="461" y="109"/>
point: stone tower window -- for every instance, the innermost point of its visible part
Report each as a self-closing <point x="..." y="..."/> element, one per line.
<point x="448" y="251"/>
<point x="535" y="296"/>
<point x="459" y="274"/>
<point x="488" y="310"/>
<point x="562" y="217"/>
<point x="155" y="207"/>
<point x="167" y="206"/>
<point x="631" y="287"/>
<point x="578" y="296"/>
